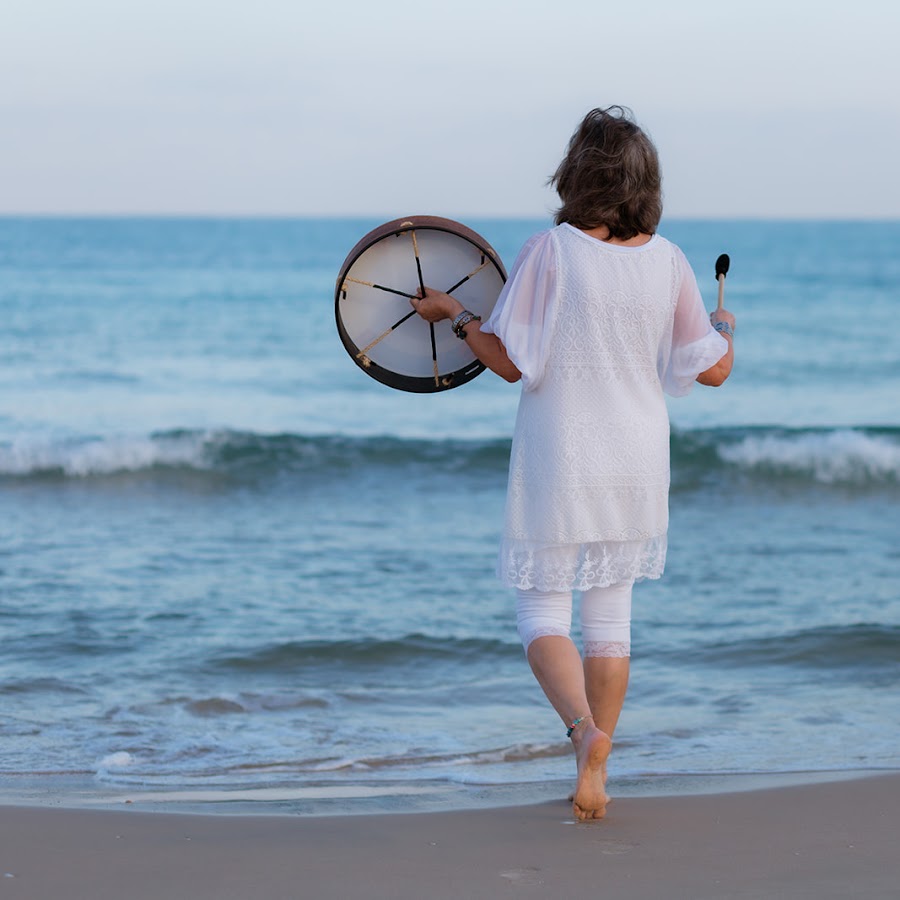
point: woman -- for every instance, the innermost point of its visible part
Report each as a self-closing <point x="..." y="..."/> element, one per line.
<point x="600" y="315"/>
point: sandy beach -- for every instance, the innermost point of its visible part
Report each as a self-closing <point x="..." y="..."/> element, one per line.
<point x="819" y="841"/>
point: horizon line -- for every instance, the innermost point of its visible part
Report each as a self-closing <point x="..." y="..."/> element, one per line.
<point x="387" y="217"/>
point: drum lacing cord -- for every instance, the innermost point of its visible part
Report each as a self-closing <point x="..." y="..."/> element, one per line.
<point x="362" y="355"/>
<point x="434" y="362"/>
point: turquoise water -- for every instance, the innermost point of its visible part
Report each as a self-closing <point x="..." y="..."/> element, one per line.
<point x="230" y="561"/>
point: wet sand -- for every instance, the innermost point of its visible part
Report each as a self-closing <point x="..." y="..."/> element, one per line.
<point x="833" y="840"/>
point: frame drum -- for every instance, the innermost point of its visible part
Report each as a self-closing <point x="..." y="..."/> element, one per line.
<point x="384" y="336"/>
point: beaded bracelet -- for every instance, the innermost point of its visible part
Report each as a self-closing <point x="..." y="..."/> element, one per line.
<point x="724" y="328"/>
<point x="576" y="723"/>
<point x="459" y="316"/>
<point x="460" y="322"/>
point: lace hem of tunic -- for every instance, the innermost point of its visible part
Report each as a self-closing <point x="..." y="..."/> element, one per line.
<point x="607" y="649"/>
<point x="578" y="567"/>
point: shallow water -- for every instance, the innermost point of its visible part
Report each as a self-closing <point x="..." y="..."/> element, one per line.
<point x="229" y="560"/>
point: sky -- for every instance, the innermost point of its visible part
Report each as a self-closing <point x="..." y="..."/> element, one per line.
<point x="764" y="109"/>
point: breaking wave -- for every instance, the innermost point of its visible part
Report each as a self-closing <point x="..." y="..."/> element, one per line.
<point x="837" y="456"/>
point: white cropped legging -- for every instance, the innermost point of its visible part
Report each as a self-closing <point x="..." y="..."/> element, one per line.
<point x="605" y="618"/>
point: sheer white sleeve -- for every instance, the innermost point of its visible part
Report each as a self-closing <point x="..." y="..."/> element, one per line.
<point x="525" y="312"/>
<point x="695" y="344"/>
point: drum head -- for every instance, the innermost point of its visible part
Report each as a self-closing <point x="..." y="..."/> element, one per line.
<point x="382" y="333"/>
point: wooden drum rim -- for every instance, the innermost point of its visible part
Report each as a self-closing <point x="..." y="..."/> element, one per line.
<point x="405" y="382"/>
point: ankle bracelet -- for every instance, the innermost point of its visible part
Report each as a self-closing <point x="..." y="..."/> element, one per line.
<point x="576" y="723"/>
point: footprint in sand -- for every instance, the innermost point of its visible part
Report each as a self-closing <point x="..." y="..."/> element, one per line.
<point x="523" y="876"/>
<point x="615" y="848"/>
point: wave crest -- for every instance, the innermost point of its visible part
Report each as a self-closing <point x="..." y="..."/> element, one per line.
<point x="104" y="456"/>
<point x="839" y="456"/>
<point x="843" y="456"/>
<point x="861" y="646"/>
<point x="409" y="650"/>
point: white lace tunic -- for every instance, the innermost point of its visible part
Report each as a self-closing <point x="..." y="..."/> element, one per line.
<point x="598" y="331"/>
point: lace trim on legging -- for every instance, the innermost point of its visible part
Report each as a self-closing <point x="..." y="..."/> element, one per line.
<point x="548" y="631"/>
<point x="607" y="649"/>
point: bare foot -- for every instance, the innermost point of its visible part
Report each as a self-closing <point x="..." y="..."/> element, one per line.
<point x="604" y="776"/>
<point x="592" y="748"/>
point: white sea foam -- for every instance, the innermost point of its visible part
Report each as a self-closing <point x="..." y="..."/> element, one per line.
<point x="120" y="760"/>
<point x="832" y="457"/>
<point x="81" y="458"/>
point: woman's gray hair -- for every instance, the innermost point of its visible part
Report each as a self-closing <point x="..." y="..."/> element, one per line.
<point x="610" y="176"/>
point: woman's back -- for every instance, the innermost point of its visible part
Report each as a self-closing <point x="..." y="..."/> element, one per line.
<point x="615" y="311"/>
<point x="590" y="457"/>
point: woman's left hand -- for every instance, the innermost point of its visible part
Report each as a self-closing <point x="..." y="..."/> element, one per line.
<point x="436" y="305"/>
<point x="722" y="315"/>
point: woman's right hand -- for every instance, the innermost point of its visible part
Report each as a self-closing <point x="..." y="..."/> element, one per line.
<point x="435" y="305"/>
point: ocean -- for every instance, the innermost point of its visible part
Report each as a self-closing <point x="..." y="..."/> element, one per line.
<point x="236" y="572"/>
